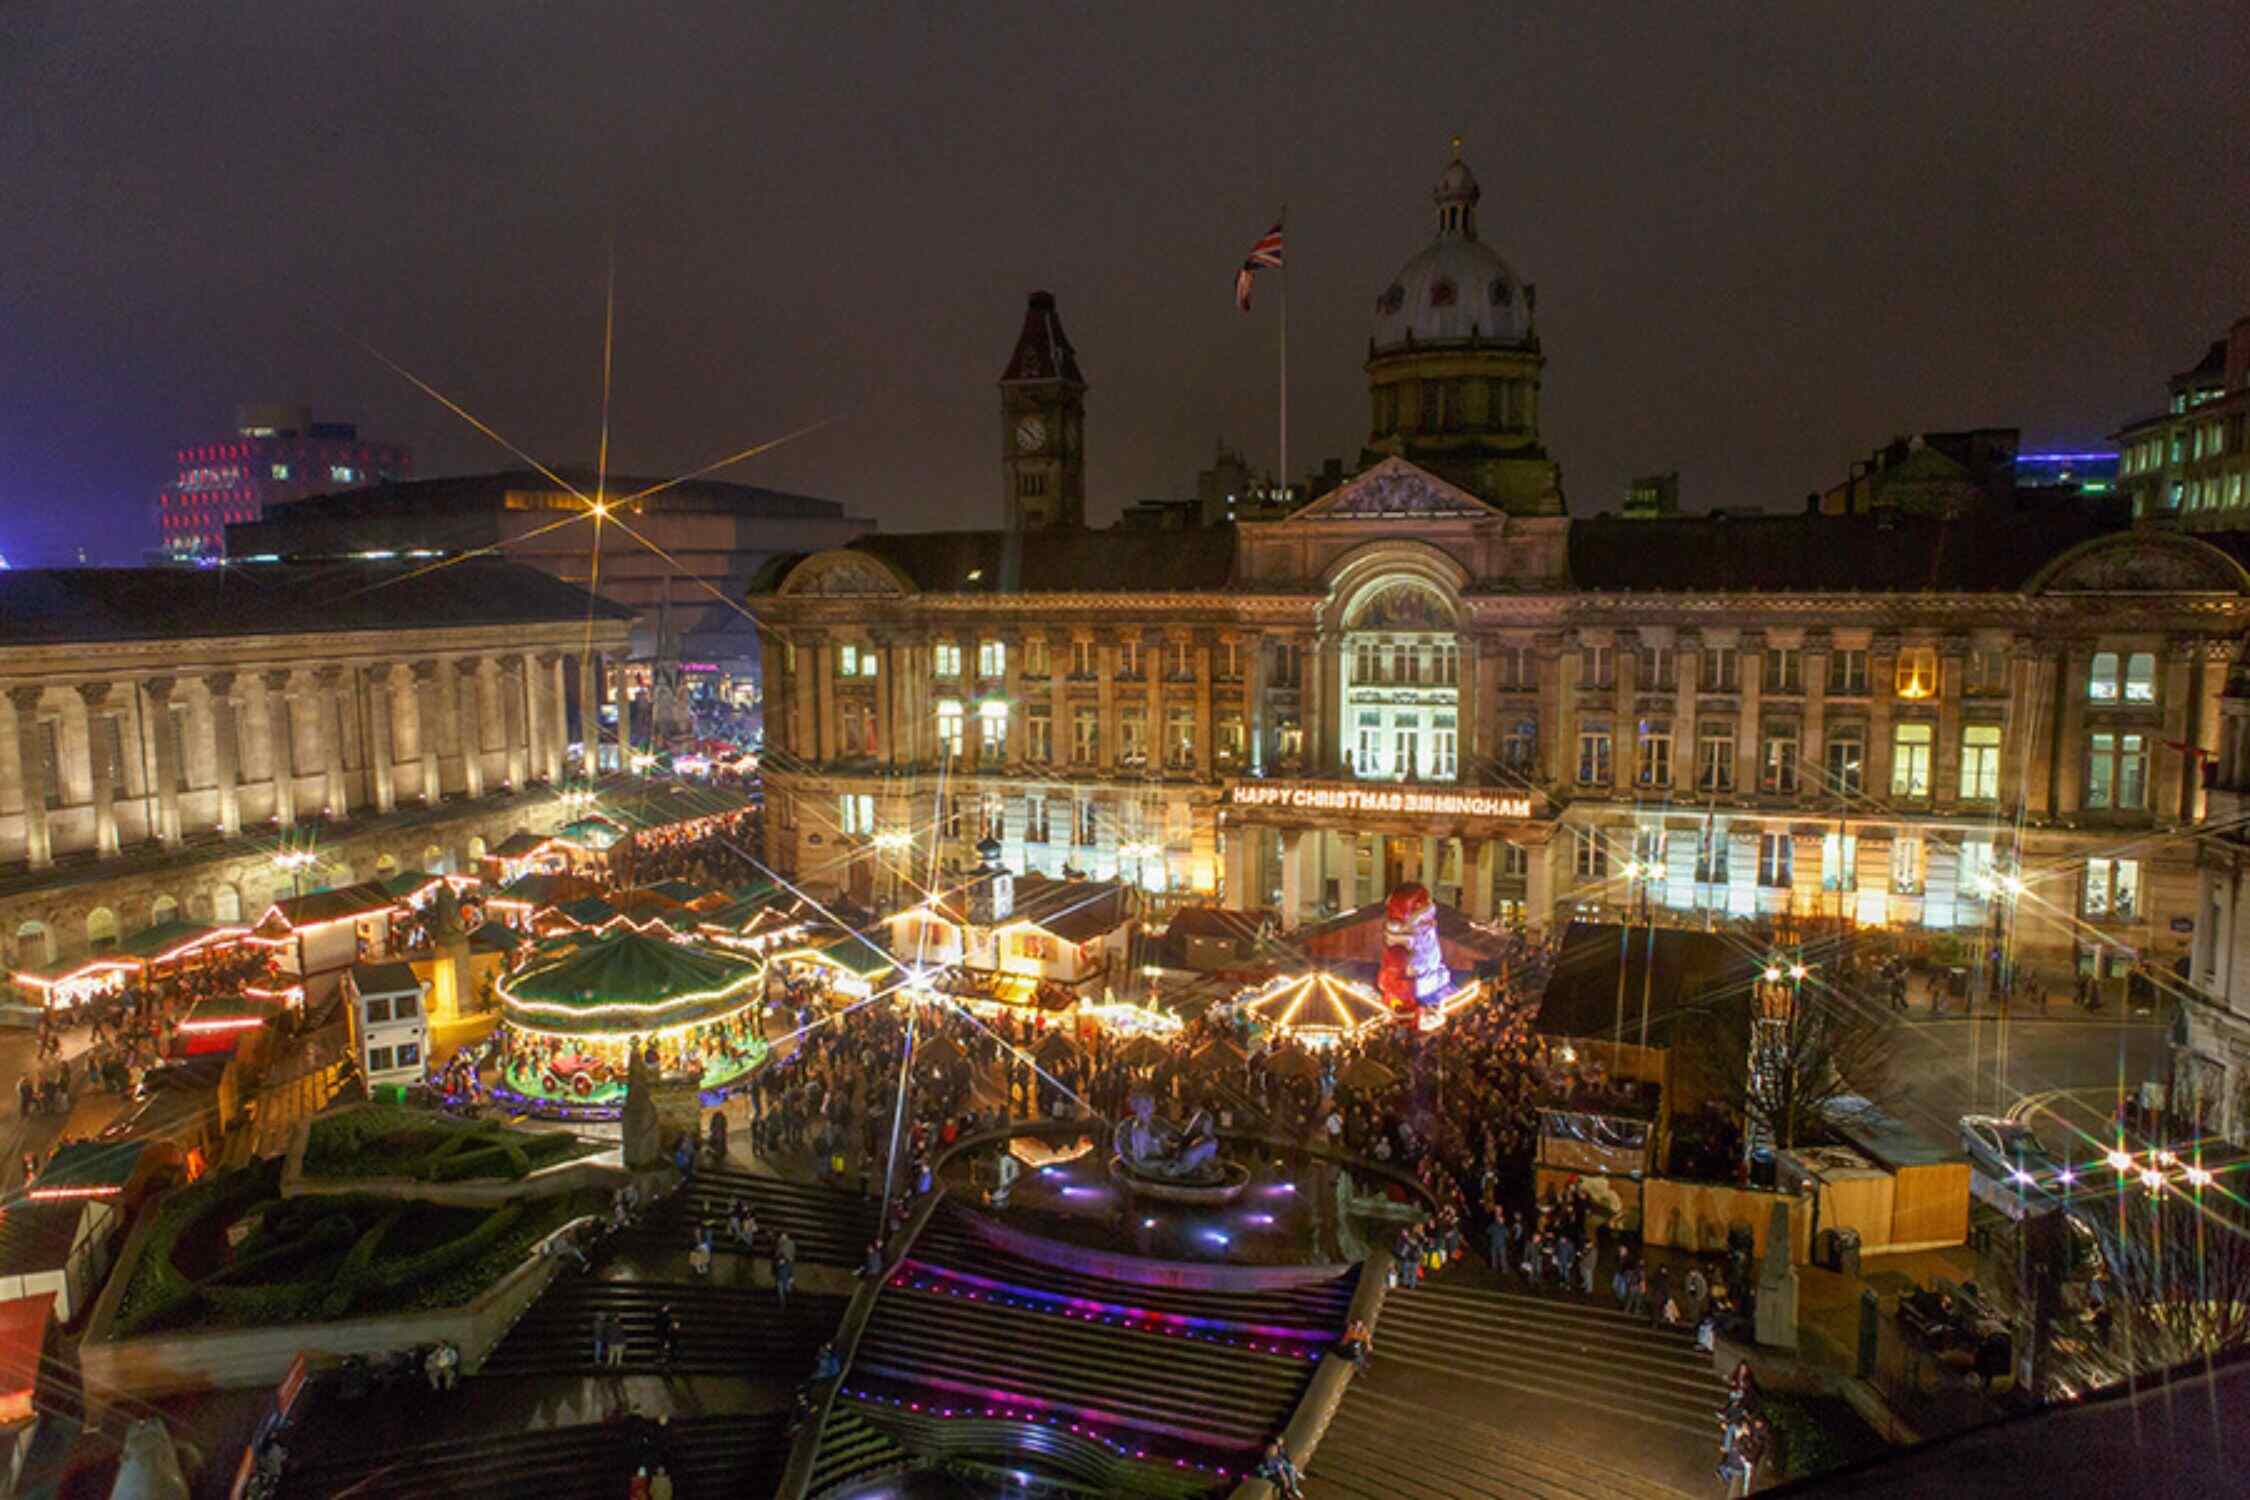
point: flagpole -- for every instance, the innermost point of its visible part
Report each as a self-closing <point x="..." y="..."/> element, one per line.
<point x="1285" y="492"/>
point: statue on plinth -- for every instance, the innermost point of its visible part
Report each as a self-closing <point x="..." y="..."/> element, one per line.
<point x="644" y="1145"/>
<point x="1147" y="1145"/>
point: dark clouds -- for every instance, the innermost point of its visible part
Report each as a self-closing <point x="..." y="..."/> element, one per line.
<point x="1765" y="237"/>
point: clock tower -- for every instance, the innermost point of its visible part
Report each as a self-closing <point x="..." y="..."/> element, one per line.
<point x="1043" y="425"/>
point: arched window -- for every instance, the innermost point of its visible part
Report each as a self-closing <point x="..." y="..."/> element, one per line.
<point x="33" y="948"/>
<point x="386" y="866"/>
<point x="433" y="860"/>
<point x="226" y="904"/>
<point x="163" y="909"/>
<point x="476" y="848"/>
<point x="101" y="929"/>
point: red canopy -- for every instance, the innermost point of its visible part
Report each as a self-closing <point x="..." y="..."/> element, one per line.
<point x="23" y="1337"/>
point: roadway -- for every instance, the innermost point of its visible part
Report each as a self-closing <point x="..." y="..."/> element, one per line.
<point x="2063" y="1076"/>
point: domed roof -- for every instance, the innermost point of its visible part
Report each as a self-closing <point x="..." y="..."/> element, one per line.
<point x="1458" y="286"/>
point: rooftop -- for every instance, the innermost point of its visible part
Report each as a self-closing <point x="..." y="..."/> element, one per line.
<point x="45" y="606"/>
<point x="1677" y="969"/>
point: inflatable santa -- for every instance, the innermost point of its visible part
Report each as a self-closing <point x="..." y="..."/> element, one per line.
<point x="1414" y="979"/>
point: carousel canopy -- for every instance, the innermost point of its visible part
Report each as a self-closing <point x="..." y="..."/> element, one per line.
<point x="629" y="982"/>
<point x="1315" y="1004"/>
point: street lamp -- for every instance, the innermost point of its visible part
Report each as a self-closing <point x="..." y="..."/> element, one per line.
<point x="296" y="862"/>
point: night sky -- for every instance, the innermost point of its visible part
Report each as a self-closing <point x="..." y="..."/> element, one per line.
<point x="1766" y="237"/>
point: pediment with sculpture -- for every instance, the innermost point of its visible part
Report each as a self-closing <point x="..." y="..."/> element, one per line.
<point x="844" y="574"/>
<point x="2141" y="562"/>
<point x="1395" y="490"/>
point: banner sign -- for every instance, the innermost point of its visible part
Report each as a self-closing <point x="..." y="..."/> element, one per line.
<point x="1376" y="798"/>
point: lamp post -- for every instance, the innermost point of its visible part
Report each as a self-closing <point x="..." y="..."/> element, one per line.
<point x="296" y="862"/>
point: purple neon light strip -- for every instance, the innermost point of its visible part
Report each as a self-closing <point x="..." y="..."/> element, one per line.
<point x="1118" y="1309"/>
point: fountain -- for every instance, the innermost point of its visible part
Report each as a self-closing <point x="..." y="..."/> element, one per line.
<point x="1155" y="1158"/>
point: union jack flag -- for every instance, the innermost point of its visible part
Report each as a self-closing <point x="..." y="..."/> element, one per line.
<point x="1264" y="256"/>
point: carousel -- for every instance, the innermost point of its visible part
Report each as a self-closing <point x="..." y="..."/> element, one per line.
<point x="571" y="1021"/>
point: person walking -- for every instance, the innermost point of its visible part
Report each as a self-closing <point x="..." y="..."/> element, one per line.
<point x="601" y="1339"/>
<point x="668" y="1333"/>
<point x="699" y="1259"/>
<point x="784" y="1267"/>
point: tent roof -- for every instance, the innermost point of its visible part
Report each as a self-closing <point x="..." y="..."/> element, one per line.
<point x="630" y="981"/>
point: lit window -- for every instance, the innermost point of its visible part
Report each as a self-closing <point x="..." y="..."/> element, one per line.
<point x="992" y="729"/>
<point x="2113" y="888"/>
<point x="992" y="658"/>
<point x="945" y="659"/>
<point x="2140" y="677"/>
<point x="2116" y="770"/>
<point x="1179" y="737"/>
<point x="1593" y="754"/>
<point x="1592" y="856"/>
<point x="1910" y="760"/>
<point x="1918" y="672"/>
<point x="343" y="473"/>
<point x="1085" y="736"/>
<point x="1839" y="861"/>
<point x="1980" y="762"/>
<point x="949" y="722"/>
<point x="1714" y="758"/>
<point x="1655" y="768"/>
<point x="1776" y="859"/>
<point x="855" y="813"/>
<point x="1778" y="771"/>
<point x="1906" y="866"/>
<point x="281" y="471"/>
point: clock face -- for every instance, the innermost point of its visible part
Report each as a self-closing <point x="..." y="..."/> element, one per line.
<point x="1031" y="434"/>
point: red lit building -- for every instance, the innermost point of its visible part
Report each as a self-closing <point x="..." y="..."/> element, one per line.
<point x="277" y="454"/>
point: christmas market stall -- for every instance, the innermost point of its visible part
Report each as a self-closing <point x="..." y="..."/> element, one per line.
<point x="569" y="1022"/>
<point x="165" y="951"/>
<point x="831" y="968"/>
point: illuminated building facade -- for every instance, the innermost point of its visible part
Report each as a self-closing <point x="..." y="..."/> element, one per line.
<point x="1956" y="722"/>
<point x="167" y="733"/>
<point x="278" y="454"/>
<point x="2188" y="464"/>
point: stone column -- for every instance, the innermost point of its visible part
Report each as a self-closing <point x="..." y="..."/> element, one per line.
<point x="558" y="717"/>
<point x="1750" y="731"/>
<point x="1476" y="876"/>
<point x="1105" y="679"/>
<point x="1321" y="707"/>
<point x="279" y="745"/>
<point x="1433" y="856"/>
<point x="822" y="750"/>
<point x="427" y="686"/>
<point x="1539" y="880"/>
<point x="168" y="752"/>
<point x="1557" y="759"/>
<point x="2174" y="789"/>
<point x="1254" y="648"/>
<point x="1813" y="738"/>
<point x="886" y="688"/>
<point x="1011" y="689"/>
<point x="2070" y="746"/>
<point x="1061" y="717"/>
<point x="513" y="718"/>
<point x="2038" y="669"/>
<point x="1292" y="877"/>
<point x="382" y="757"/>
<point x="1237" y="892"/>
<point x="468" y="723"/>
<point x="1945" y="759"/>
<point x="1882" y="695"/>
<point x="38" y="837"/>
<point x="337" y="797"/>
<point x="1687" y="668"/>
<point x="226" y="748"/>
<point x="1472" y="694"/>
<point x="95" y="695"/>
<point x="590" y="715"/>
<point x="1203" y="643"/>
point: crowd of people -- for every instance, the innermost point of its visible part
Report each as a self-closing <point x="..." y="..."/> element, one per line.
<point x="714" y="853"/>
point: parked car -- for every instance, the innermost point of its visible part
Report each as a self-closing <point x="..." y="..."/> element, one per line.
<point x="2012" y="1168"/>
